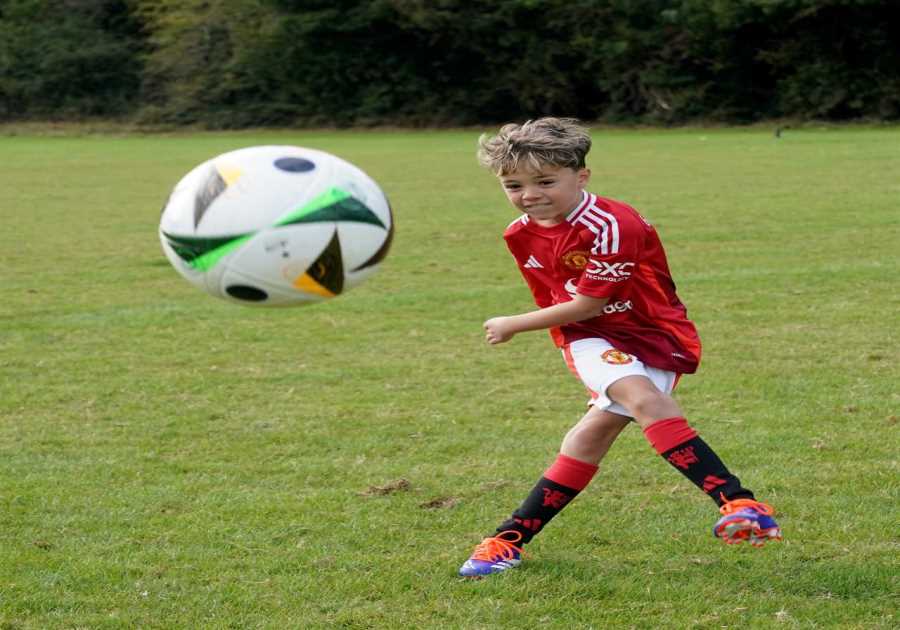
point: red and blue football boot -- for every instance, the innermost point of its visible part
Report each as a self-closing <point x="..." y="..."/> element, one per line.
<point x="746" y="519"/>
<point x="493" y="555"/>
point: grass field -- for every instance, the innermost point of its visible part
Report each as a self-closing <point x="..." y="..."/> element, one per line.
<point x="168" y="460"/>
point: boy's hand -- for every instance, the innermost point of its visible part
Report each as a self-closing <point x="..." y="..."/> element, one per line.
<point x="498" y="330"/>
<point x="501" y="329"/>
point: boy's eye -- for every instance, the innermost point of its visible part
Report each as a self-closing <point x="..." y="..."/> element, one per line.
<point x="546" y="182"/>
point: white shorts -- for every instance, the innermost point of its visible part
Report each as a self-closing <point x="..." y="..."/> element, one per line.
<point x="598" y="364"/>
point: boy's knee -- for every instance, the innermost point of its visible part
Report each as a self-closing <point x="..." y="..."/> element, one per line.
<point x="597" y="428"/>
<point x="592" y="433"/>
<point x="649" y="405"/>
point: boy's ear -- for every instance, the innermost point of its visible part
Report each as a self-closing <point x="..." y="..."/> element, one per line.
<point x="584" y="176"/>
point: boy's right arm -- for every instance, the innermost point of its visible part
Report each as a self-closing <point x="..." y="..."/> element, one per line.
<point x="502" y="329"/>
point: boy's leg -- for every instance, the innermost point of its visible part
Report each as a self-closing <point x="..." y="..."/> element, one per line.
<point x="581" y="451"/>
<point x="668" y="432"/>
<point x="579" y="457"/>
<point x="670" y="435"/>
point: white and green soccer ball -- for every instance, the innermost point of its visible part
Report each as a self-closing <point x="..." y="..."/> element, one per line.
<point x="276" y="226"/>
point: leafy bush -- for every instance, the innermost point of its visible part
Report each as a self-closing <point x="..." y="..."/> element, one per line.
<point x="237" y="63"/>
<point x="63" y="58"/>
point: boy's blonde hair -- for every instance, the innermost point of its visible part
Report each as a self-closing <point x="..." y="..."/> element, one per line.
<point x="562" y="142"/>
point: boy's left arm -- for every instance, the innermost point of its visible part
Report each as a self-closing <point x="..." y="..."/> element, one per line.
<point x="502" y="329"/>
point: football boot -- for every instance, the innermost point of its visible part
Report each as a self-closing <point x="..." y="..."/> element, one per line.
<point x="493" y="555"/>
<point x="746" y="519"/>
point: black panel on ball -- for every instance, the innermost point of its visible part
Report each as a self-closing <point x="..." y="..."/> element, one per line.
<point x="248" y="294"/>
<point x="294" y="164"/>
<point x="207" y="193"/>
<point x="328" y="268"/>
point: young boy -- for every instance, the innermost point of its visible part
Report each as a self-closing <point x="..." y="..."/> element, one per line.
<point x="599" y="274"/>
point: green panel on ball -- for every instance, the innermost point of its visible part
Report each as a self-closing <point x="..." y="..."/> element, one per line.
<point x="203" y="253"/>
<point x="333" y="205"/>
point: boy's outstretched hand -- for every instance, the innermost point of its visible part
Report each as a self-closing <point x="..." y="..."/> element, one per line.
<point x="502" y="329"/>
<point x="498" y="330"/>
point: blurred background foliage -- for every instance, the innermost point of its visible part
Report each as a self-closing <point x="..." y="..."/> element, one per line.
<point x="239" y="63"/>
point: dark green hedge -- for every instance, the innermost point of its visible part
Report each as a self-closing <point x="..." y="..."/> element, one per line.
<point x="234" y="63"/>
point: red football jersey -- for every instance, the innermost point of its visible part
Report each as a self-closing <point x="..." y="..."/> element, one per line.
<point x="605" y="249"/>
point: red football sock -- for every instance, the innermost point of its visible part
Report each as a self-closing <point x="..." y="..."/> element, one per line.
<point x="664" y="435"/>
<point x="679" y="444"/>
<point x="570" y="472"/>
<point x="560" y="483"/>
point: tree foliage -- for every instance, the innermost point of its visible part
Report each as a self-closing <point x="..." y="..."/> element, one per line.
<point x="62" y="58"/>
<point x="233" y="63"/>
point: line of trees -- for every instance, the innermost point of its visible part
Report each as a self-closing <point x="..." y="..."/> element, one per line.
<point x="235" y="63"/>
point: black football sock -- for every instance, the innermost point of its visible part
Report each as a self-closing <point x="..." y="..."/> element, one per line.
<point x="680" y="445"/>
<point x="555" y="489"/>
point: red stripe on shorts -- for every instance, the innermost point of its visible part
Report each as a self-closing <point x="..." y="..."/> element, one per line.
<point x="570" y="363"/>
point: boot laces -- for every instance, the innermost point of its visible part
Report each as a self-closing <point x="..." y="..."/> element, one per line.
<point x="730" y="507"/>
<point x="497" y="547"/>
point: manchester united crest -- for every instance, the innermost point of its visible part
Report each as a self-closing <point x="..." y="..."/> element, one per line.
<point x="576" y="259"/>
<point x="616" y="357"/>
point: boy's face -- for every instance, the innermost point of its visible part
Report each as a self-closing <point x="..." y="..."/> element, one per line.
<point x="546" y="195"/>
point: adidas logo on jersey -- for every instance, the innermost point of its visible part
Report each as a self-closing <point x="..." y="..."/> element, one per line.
<point x="533" y="263"/>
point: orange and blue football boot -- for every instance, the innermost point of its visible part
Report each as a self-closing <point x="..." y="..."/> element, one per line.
<point x="493" y="555"/>
<point x="746" y="519"/>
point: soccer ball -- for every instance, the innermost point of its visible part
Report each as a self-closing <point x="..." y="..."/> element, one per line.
<point x="276" y="226"/>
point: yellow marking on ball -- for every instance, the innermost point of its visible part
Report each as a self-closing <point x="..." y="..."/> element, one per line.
<point x="229" y="173"/>
<point x="307" y="284"/>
